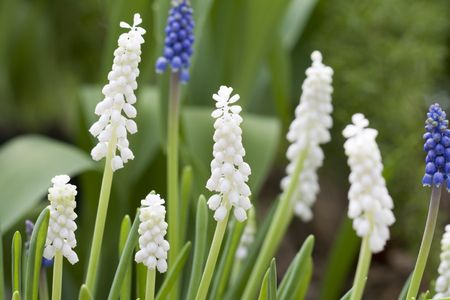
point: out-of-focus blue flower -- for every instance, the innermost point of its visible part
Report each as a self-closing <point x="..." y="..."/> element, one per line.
<point x="179" y="40"/>
<point x="437" y="146"/>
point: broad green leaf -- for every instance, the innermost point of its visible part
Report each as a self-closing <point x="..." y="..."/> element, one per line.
<point x="405" y="288"/>
<point x="301" y="261"/>
<point x="227" y="257"/>
<point x="85" y="294"/>
<point x="201" y="230"/>
<point x="185" y="198"/>
<point x="35" y="251"/>
<point x="125" y="261"/>
<point x="28" y="164"/>
<point x="125" y="292"/>
<point x="258" y="133"/>
<point x="174" y="272"/>
<point x="16" y="253"/>
<point x="340" y="261"/>
<point x="272" y="284"/>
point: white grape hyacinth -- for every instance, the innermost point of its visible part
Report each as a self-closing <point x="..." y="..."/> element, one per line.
<point x="229" y="172"/>
<point x="247" y="238"/>
<point x="308" y="130"/>
<point x="370" y="204"/>
<point x="61" y="227"/>
<point x="443" y="281"/>
<point x="112" y="126"/>
<point x="152" y="229"/>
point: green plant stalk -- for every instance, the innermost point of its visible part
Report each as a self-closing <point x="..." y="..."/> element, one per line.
<point x="57" y="276"/>
<point x="221" y="227"/>
<point x="43" y="287"/>
<point x="425" y="246"/>
<point x="173" y="203"/>
<point x="2" y="279"/>
<point x="150" y="285"/>
<point x="281" y="220"/>
<point x="100" y="219"/>
<point x="16" y="254"/>
<point x="365" y="256"/>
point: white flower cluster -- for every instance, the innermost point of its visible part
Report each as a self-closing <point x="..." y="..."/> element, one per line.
<point x="112" y="126"/>
<point x="229" y="172"/>
<point x="309" y="129"/>
<point x="61" y="227"/>
<point x="153" y="228"/>
<point x="370" y="203"/>
<point x="443" y="281"/>
<point x="247" y="238"/>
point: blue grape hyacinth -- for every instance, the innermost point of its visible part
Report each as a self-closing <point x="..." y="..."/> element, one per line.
<point x="179" y="40"/>
<point x="437" y="146"/>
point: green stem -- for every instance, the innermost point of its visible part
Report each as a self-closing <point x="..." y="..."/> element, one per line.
<point x="365" y="256"/>
<point x="173" y="203"/>
<point x="221" y="227"/>
<point x="150" y="285"/>
<point x="57" y="276"/>
<point x="100" y="218"/>
<point x="281" y="220"/>
<point x="426" y="243"/>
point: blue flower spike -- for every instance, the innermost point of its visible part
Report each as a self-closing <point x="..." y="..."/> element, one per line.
<point x="179" y="40"/>
<point x="437" y="146"/>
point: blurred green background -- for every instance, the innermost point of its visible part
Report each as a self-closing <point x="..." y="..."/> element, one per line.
<point x="390" y="61"/>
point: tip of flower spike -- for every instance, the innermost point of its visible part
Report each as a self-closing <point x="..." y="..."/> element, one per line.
<point x="316" y="56"/>
<point x="359" y="124"/>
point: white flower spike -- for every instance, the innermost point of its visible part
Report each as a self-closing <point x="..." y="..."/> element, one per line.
<point x="229" y="172"/>
<point x="61" y="227"/>
<point x="153" y="228"/>
<point x="309" y="129"/>
<point x="370" y="204"/>
<point x="247" y="238"/>
<point x="443" y="281"/>
<point x="112" y="126"/>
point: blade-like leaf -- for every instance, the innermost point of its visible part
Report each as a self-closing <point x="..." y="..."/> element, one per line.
<point x="16" y="254"/>
<point x="28" y="163"/>
<point x="2" y="270"/>
<point x="174" y="272"/>
<point x="298" y="270"/>
<point x="16" y="295"/>
<point x="272" y="284"/>
<point x="125" y="260"/>
<point x="35" y="251"/>
<point x="201" y="230"/>
<point x="302" y="286"/>
<point x="186" y="195"/>
<point x="347" y="295"/>
<point x="125" y="293"/>
<point x="85" y="294"/>
<point x="405" y="288"/>
<point x="264" y="291"/>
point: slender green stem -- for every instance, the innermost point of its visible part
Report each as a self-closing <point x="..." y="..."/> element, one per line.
<point x="426" y="243"/>
<point x="221" y="227"/>
<point x="365" y="256"/>
<point x="150" y="285"/>
<point x="173" y="203"/>
<point x="57" y="276"/>
<point x="281" y="220"/>
<point x="100" y="219"/>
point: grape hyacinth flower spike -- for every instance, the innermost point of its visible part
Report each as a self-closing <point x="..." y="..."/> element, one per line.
<point x="61" y="229"/>
<point x="370" y="204"/>
<point x="443" y="281"/>
<point x="153" y="247"/>
<point x="116" y="112"/>
<point x="179" y="40"/>
<point x="437" y="171"/>
<point x="229" y="176"/>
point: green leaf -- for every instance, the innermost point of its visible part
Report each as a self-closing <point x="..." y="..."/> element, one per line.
<point x="198" y="129"/>
<point x="272" y="284"/>
<point x="424" y="295"/>
<point x="125" y="228"/>
<point x="301" y="261"/>
<point x="264" y="291"/>
<point x="174" y="272"/>
<point x="186" y="195"/>
<point x="16" y="253"/>
<point x="85" y="294"/>
<point x="16" y="295"/>
<point x="223" y="269"/>
<point x="303" y="285"/>
<point x="141" y="274"/>
<point x="201" y="230"/>
<point x="35" y="251"/>
<point x="347" y="295"/>
<point x="405" y="288"/>
<point x="202" y="9"/>
<point x="28" y="164"/>
<point x="342" y="256"/>
<point x="126" y="259"/>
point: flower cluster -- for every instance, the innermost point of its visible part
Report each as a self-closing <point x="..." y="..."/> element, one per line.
<point x="61" y="227"/>
<point x="437" y="146"/>
<point x="309" y="129"/>
<point x="153" y="228"/>
<point x="112" y="126"/>
<point x="247" y="238"/>
<point x="179" y="40"/>
<point x="443" y="281"/>
<point x="229" y="172"/>
<point x="370" y="203"/>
